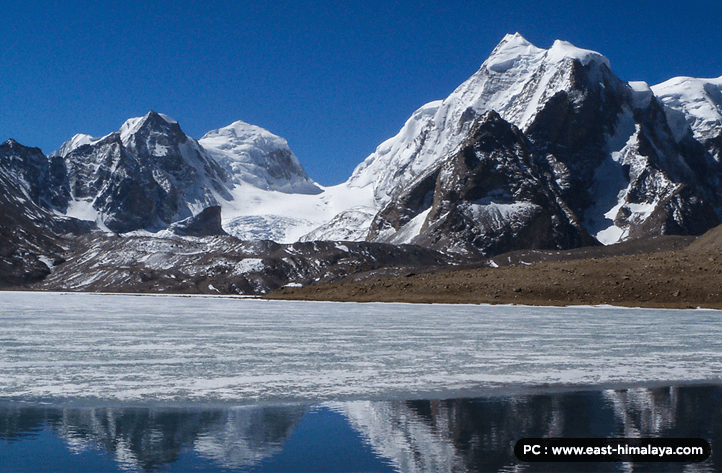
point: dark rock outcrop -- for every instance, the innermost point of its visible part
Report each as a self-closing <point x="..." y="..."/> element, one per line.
<point x="489" y="197"/>
<point x="206" y="223"/>
<point x="146" y="176"/>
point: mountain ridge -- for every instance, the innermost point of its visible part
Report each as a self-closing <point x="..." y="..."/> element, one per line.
<point x="608" y="144"/>
<point x="539" y="149"/>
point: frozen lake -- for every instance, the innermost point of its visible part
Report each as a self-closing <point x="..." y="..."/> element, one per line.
<point x="179" y="350"/>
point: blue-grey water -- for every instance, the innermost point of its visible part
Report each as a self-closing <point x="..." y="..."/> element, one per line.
<point x="94" y="382"/>
<point x="455" y="435"/>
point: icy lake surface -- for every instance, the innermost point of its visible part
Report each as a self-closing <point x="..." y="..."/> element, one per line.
<point x="201" y="349"/>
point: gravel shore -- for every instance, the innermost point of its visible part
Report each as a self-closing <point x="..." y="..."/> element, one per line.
<point x="675" y="272"/>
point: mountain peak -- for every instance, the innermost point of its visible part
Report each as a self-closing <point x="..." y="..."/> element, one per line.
<point x="241" y="131"/>
<point x="561" y="50"/>
<point x="513" y="40"/>
<point x="151" y="119"/>
<point x="254" y="155"/>
<point x="509" y="51"/>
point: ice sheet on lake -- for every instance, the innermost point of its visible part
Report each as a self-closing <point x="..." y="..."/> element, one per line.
<point x="189" y="349"/>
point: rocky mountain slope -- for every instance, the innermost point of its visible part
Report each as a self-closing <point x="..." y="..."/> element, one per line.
<point x="147" y="175"/>
<point x="222" y="264"/>
<point x="662" y="272"/>
<point x="32" y="235"/>
<point x="539" y="149"/>
<point x="618" y="162"/>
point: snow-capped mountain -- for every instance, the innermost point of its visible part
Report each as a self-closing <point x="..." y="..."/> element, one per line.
<point x="147" y="175"/>
<point x="256" y="156"/>
<point x="603" y="147"/>
<point x="515" y="81"/>
<point x="272" y="198"/>
<point x="252" y="174"/>
<point x="540" y="148"/>
<point x="695" y="104"/>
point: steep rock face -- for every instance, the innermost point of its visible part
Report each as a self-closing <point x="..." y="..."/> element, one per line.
<point x="29" y="229"/>
<point x="206" y="223"/>
<point x="26" y="241"/>
<point x="145" y="176"/>
<point x="42" y="179"/>
<point x="254" y="155"/>
<point x="606" y="147"/>
<point x="673" y="187"/>
<point x="489" y="197"/>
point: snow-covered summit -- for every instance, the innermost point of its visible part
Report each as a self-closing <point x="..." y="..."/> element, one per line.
<point x="256" y="156"/>
<point x="563" y="50"/>
<point x="509" y="51"/>
<point x="72" y="144"/>
<point x="133" y="125"/>
<point x="243" y="138"/>
<point x="698" y="100"/>
<point x="516" y="81"/>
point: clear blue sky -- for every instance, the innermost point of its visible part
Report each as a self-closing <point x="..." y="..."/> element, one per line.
<point x="333" y="78"/>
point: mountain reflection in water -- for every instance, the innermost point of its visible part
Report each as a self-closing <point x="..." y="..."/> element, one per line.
<point x="410" y="436"/>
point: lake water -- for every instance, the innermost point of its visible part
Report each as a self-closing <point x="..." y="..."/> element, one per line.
<point x="138" y="383"/>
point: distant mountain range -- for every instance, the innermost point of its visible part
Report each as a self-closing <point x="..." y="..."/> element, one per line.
<point x="538" y="149"/>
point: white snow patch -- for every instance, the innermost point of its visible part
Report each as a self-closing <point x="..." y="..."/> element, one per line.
<point x="611" y="235"/>
<point x="47" y="261"/>
<point x="412" y="229"/>
<point x="642" y="209"/>
<point x="258" y="214"/>
<point x="248" y="265"/>
<point x="82" y="210"/>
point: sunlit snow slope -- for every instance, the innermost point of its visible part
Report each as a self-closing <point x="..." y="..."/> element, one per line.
<point x="618" y="160"/>
<point x="252" y="174"/>
<point x="620" y="170"/>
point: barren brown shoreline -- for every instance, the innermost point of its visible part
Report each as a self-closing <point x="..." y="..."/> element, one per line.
<point x="690" y="277"/>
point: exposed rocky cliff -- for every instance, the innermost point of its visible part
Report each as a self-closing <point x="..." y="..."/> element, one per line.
<point x="147" y="175"/>
<point x="30" y="232"/>
<point x="604" y="153"/>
